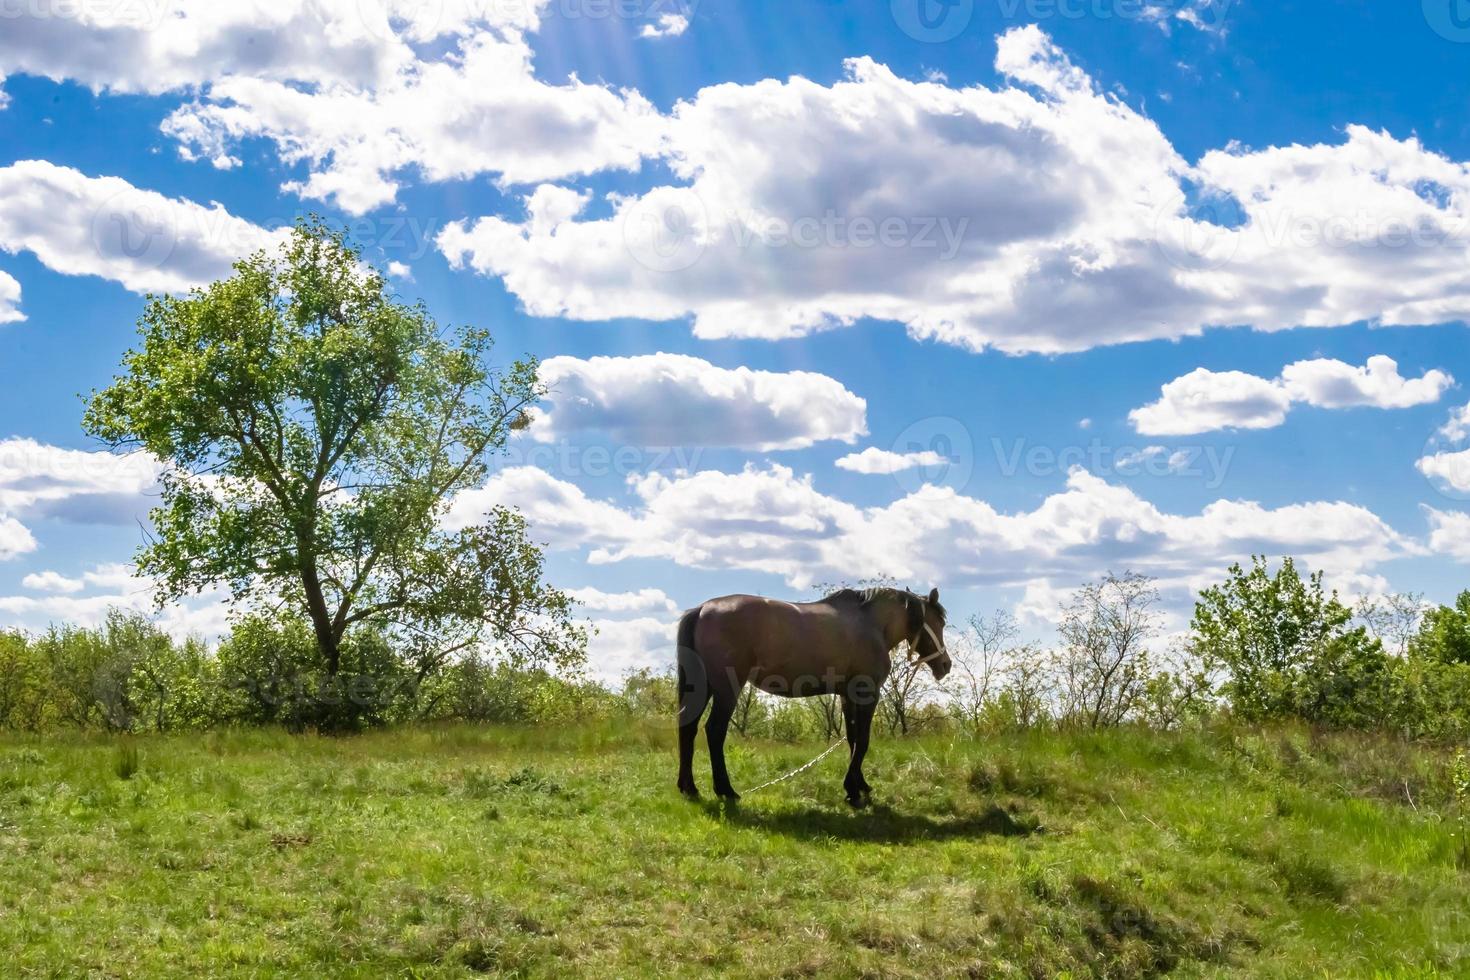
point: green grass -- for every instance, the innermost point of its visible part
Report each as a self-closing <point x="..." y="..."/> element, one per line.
<point x="445" y="852"/>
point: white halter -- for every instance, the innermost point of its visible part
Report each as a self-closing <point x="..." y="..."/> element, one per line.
<point x="939" y="650"/>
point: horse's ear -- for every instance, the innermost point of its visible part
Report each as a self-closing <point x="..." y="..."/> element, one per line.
<point x="934" y="596"/>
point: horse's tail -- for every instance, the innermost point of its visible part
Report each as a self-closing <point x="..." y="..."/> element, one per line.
<point x="693" y="683"/>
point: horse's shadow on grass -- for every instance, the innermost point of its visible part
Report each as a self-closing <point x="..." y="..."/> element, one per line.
<point x="877" y="824"/>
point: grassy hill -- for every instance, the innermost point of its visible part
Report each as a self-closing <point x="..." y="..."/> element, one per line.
<point x="443" y="852"/>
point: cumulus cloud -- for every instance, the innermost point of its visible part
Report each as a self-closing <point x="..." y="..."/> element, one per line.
<point x="157" y="46"/>
<point x="15" y="538"/>
<point x="358" y="91"/>
<point x="882" y="461"/>
<point x="41" y="481"/>
<point x="667" y="25"/>
<point x="9" y="299"/>
<point x="106" y="227"/>
<point x="52" y="582"/>
<point x="772" y="520"/>
<point x="1204" y="400"/>
<point x="676" y="400"/>
<point x="561" y="514"/>
<point x="623" y="645"/>
<point x="1450" y="468"/>
<point x="805" y="207"/>
<point x="480" y="112"/>
<point x="86" y="600"/>
<point x="1328" y="383"/>
<point x="1449" y="533"/>
<point x="73" y="484"/>
<point x="644" y="600"/>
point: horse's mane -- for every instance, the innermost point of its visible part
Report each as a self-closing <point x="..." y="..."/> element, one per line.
<point x="861" y="597"/>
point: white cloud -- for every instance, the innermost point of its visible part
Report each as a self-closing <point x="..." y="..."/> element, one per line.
<point x="9" y="299"/>
<point x="807" y="207"/>
<point x="1445" y="462"/>
<point x="623" y="645"/>
<point x="881" y="461"/>
<point x="676" y="400"/>
<point x="644" y="600"/>
<point x="41" y="481"/>
<point x="667" y="25"/>
<point x="52" y="582"/>
<point x="1204" y="400"/>
<point x="1127" y="459"/>
<point x="771" y="520"/>
<point x="157" y="46"/>
<point x="399" y="270"/>
<point x="344" y="87"/>
<point x="1449" y="533"/>
<point x="106" y="227"/>
<point x="1328" y="383"/>
<point x="478" y="112"/>
<point x="15" y="538"/>
<point x="109" y="587"/>
<point x="1457" y="428"/>
<point x="560" y="513"/>
<point x="73" y="484"/>
<point x="1452" y="468"/>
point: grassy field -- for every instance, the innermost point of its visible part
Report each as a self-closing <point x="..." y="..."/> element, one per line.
<point x="445" y="852"/>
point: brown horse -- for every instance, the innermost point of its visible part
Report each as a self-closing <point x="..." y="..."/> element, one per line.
<point x="839" y="645"/>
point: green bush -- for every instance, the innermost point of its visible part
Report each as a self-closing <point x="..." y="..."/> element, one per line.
<point x="270" y="673"/>
<point x="1289" y="650"/>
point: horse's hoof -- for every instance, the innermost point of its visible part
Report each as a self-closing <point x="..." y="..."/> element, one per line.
<point x="690" y="792"/>
<point x="728" y="795"/>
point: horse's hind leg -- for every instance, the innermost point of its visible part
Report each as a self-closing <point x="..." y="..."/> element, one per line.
<point x="693" y="697"/>
<point x="723" y="694"/>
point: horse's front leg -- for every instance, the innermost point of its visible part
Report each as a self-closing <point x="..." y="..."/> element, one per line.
<point x="858" y="790"/>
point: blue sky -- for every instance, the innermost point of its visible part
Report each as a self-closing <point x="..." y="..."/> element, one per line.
<point x="1164" y="284"/>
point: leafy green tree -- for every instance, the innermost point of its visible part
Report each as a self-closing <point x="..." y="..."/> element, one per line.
<point x="1444" y="635"/>
<point x="1289" y="648"/>
<point x="315" y="432"/>
<point x="23" y="683"/>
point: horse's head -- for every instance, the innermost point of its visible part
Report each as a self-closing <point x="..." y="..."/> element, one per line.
<point x="928" y="642"/>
